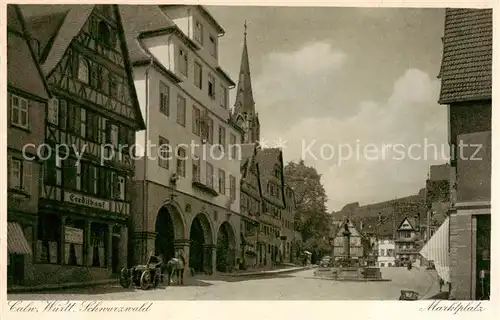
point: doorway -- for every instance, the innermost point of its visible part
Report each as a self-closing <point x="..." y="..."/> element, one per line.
<point x="115" y="241"/>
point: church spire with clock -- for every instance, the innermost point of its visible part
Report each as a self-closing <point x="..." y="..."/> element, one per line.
<point x="244" y="106"/>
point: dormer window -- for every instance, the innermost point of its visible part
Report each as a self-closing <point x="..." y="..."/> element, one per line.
<point x="104" y="33"/>
<point x="198" y="32"/>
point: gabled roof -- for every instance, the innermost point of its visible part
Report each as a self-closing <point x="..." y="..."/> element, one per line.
<point x="64" y="23"/>
<point x="248" y="153"/>
<point x="410" y="222"/>
<point x="266" y="159"/>
<point x="23" y="71"/>
<point x="466" y="67"/>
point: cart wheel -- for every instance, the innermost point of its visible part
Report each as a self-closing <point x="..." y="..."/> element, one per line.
<point x="145" y="280"/>
<point x="125" y="278"/>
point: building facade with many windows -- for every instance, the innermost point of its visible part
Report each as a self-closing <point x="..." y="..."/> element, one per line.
<point x="407" y="243"/>
<point x="89" y="126"/>
<point x="187" y="186"/>
<point x="27" y="97"/>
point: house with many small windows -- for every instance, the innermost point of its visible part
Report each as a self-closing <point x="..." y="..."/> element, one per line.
<point x="27" y="98"/>
<point x="88" y="128"/>
<point x="187" y="177"/>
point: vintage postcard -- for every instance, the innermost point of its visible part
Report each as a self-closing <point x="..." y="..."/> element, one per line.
<point x="163" y="152"/>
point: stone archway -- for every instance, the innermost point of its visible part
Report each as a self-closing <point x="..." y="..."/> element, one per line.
<point x="200" y="236"/>
<point x="226" y="245"/>
<point x="169" y="226"/>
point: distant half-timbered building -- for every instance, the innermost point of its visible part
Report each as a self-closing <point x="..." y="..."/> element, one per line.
<point x="90" y="126"/>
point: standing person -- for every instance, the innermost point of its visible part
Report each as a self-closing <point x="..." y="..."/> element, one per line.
<point x="441" y="284"/>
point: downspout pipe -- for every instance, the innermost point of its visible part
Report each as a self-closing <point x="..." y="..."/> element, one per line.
<point x="145" y="158"/>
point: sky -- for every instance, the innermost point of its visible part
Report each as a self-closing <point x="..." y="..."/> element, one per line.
<point x="351" y="91"/>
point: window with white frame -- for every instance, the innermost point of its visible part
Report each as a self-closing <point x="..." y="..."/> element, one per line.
<point x="222" y="181"/>
<point x="83" y="70"/>
<point x="211" y="86"/>
<point x="213" y="46"/>
<point x="15" y="173"/>
<point x="183" y="62"/>
<point x="53" y="112"/>
<point x="223" y="96"/>
<point x="19" y="113"/>
<point x="210" y="175"/>
<point x="198" y="32"/>
<point x="163" y="153"/>
<point x="232" y="187"/>
<point x="181" y="110"/>
<point x="164" y="99"/>
<point x="222" y="136"/>
<point x="196" y="120"/>
<point x="232" y="142"/>
<point x="118" y="181"/>
<point x="198" y="74"/>
<point x="196" y="169"/>
<point x="181" y="161"/>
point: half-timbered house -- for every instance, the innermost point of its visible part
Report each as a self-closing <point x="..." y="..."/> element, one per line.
<point x="270" y="161"/>
<point x="90" y="129"/>
<point x="250" y="204"/>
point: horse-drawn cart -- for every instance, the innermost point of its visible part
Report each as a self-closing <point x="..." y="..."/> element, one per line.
<point x="143" y="276"/>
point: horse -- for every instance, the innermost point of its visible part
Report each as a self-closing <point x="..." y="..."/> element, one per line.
<point x="175" y="266"/>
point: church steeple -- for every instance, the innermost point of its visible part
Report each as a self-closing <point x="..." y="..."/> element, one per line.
<point x="244" y="105"/>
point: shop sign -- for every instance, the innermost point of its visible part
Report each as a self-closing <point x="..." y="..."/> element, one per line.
<point x="86" y="201"/>
<point x="73" y="235"/>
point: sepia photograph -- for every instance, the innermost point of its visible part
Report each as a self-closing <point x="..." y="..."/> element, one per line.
<point x="164" y="152"/>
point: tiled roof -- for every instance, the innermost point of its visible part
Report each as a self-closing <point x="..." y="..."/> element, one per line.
<point x="23" y="71"/>
<point x="267" y="159"/>
<point x="139" y="19"/>
<point x="466" y="72"/>
<point x="63" y="23"/>
<point x="71" y="19"/>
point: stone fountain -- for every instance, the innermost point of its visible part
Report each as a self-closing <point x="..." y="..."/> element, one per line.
<point x="347" y="268"/>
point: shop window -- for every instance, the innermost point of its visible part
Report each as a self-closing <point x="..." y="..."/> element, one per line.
<point x="73" y="242"/>
<point x="98" y="244"/>
<point x="48" y="239"/>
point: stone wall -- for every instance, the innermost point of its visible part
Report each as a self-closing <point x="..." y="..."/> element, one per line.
<point x="461" y="259"/>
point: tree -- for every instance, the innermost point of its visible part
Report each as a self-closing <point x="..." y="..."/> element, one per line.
<point x="311" y="217"/>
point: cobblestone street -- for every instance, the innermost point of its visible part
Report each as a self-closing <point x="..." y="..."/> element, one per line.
<point x="296" y="286"/>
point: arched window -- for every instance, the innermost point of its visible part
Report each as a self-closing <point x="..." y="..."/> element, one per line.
<point x="83" y="70"/>
<point x="104" y="34"/>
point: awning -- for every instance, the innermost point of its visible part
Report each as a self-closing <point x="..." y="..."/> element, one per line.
<point x="16" y="241"/>
<point x="436" y="250"/>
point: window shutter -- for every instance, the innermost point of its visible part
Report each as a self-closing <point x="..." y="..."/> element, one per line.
<point x="27" y="177"/>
